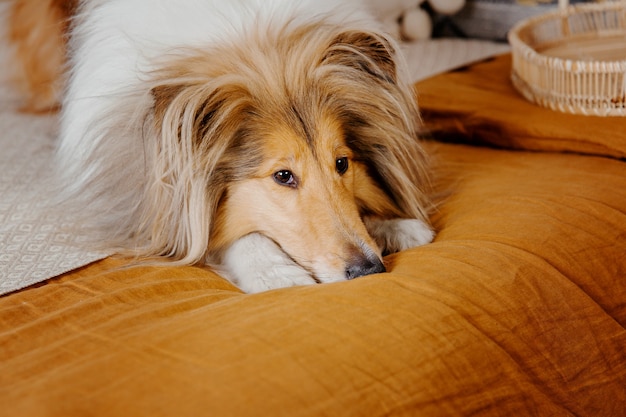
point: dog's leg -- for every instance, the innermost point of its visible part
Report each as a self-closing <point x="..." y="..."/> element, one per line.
<point x="255" y="263"/>
<point x="394" y="235"/>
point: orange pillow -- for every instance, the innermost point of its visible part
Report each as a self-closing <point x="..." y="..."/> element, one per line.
<point x="479" y="104"/>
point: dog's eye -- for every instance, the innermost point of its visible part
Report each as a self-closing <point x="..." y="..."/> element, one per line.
<point x="285" y="178"/>
<point x="341" y="165"/>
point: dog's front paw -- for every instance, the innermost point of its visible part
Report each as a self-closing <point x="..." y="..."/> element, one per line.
<point x="395" y="235"/>
<point x="255" y="263"/>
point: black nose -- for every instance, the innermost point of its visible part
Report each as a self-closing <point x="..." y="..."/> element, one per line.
<point x="364" y="265"/>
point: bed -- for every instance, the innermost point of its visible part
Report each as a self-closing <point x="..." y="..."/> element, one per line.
<point x="518" y="308"/>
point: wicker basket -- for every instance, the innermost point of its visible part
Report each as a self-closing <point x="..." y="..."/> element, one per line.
<point x="574" y="59"/>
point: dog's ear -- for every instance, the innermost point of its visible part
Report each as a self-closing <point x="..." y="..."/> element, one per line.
<point x="182" y="105"/>
<point x="365" y="51"/>
<point x="163" y="96"/>
<point x="200" y="147"/>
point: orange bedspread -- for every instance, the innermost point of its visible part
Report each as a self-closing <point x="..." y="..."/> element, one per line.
<point x="517" y="309"/>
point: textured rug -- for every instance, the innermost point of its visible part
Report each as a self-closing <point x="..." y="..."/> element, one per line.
<point x="33" y="245"/>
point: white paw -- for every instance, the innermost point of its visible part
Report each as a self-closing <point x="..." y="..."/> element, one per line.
<point x="395" y="235"/>
<point x="255" y="263"/>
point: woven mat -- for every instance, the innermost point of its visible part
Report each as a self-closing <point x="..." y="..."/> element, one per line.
<point x="33" y="246"/>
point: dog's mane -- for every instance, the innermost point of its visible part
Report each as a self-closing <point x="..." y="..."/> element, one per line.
<point x="207" y="106"/>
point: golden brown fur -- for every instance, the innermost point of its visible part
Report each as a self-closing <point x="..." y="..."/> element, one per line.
<point x="37" y="30"/>
<point x="315" y="96"/>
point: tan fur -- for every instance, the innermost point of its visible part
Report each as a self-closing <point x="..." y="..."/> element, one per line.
<point x="319" y="222"/>
<point x="37" y="29"/>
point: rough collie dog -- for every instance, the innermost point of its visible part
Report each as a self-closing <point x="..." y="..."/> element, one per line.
<point x="276" y="139"/>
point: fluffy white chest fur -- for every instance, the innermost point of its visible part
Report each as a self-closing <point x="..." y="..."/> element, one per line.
<point x="274" y="139"/>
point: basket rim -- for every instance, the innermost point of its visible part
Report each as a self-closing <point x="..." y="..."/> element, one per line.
<point x="530" y="53"/>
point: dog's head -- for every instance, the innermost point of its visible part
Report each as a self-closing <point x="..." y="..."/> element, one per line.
<point x="296" y="134"/>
